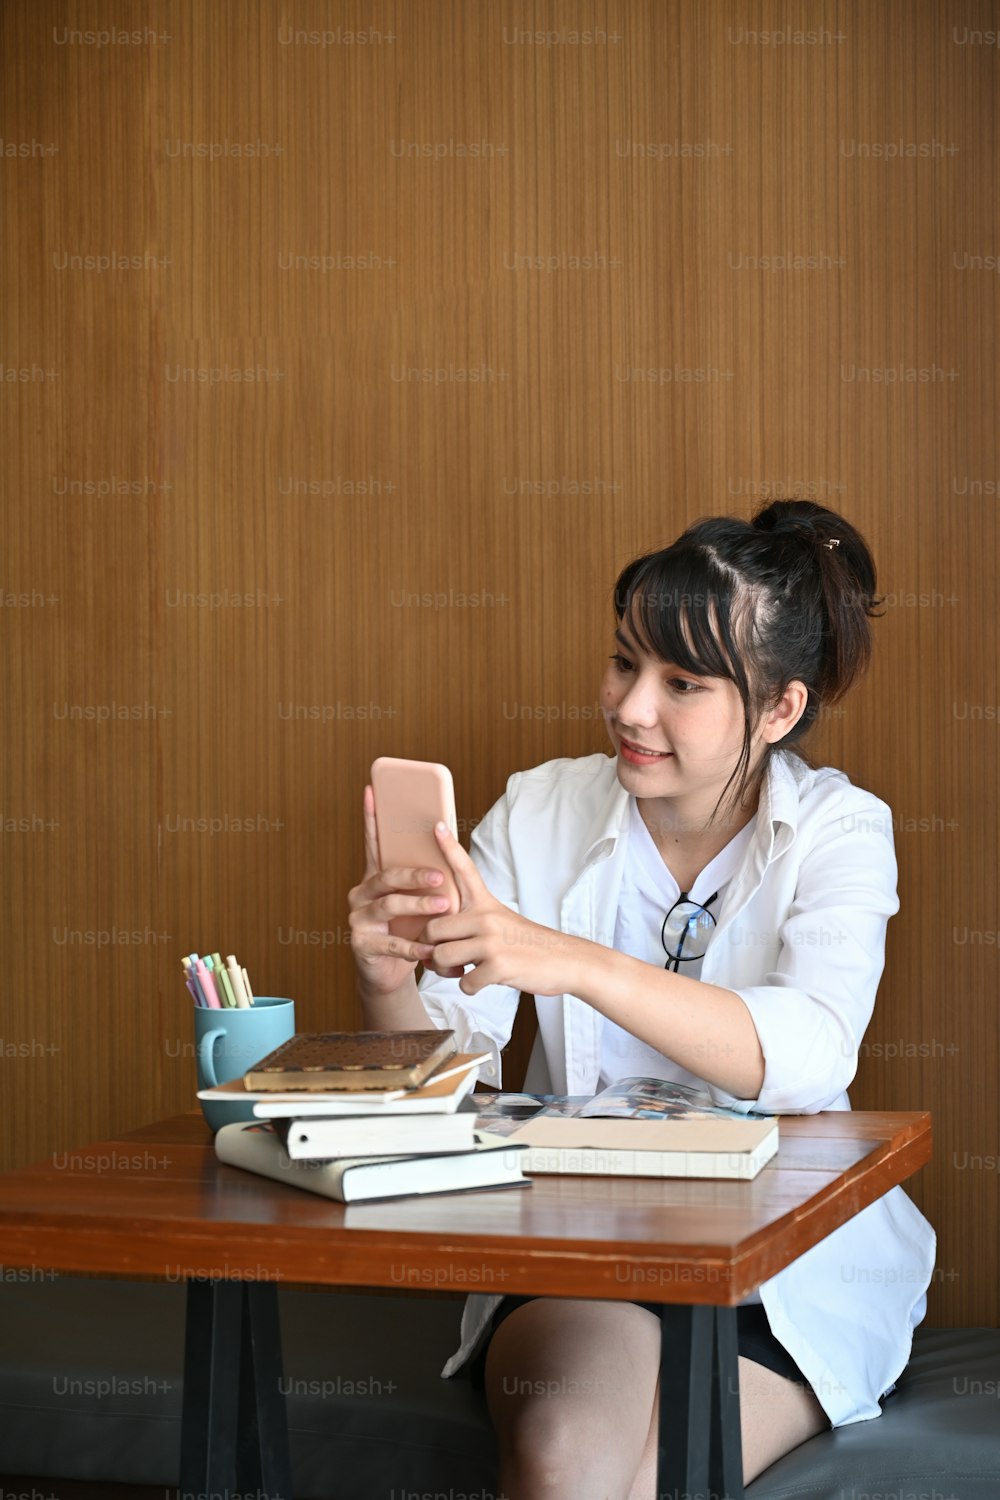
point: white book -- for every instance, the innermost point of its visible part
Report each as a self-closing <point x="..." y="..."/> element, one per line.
<point x="315" y="1138"/>
<point x="255" y="1147"/>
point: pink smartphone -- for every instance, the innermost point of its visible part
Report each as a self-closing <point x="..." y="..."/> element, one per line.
<point x="410" y="797"/>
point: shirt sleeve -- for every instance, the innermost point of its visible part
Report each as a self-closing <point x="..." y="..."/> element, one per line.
<point x="813" y="1008"/>
<point x="482" y="1022"/>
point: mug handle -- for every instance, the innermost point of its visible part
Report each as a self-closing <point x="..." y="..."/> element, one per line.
<point x="206" y="1055"/>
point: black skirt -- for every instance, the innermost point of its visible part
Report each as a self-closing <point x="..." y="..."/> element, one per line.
<point x="754" y="1337"/>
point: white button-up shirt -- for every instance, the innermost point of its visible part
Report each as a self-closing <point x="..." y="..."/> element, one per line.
<point x="648" y="891"/>
<point x="800" y="937"/>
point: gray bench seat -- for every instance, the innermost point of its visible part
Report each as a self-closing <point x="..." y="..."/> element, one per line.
<point x="90" y="1388"/>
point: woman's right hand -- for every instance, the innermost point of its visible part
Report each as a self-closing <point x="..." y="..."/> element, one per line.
<point x="385" y="962"/>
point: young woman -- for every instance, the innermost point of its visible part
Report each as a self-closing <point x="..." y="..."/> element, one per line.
<point x="702" y="906"/>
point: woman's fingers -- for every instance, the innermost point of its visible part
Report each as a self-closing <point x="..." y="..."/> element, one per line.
<point x="463" y="866"/>
<point x="371" y="834"/>
<point x="442" y="971"/>
<point x="375" y="915"/>
<point x="409" y="883"/>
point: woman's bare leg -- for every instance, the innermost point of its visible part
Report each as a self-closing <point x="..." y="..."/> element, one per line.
<point x="572" y="1388"/>
<point x="776" y="1415"/>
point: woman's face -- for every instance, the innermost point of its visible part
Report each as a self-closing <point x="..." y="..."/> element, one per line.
<point x="694" y="724"/>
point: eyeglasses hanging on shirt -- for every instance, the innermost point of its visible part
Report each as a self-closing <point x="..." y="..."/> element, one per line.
<point x="686" y="930"/>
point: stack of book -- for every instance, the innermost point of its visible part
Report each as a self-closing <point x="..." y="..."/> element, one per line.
<point x="364" y="1115"/>
<point x="387" y="1114"/>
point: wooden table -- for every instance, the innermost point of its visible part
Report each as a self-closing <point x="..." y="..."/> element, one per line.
<point x="155" y="1203"/>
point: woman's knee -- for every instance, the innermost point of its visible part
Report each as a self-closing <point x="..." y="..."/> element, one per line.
<point x="544" y="1445"/>
<point x="570" y="1393"/>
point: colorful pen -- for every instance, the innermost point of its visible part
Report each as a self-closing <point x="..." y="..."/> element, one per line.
<point x="220" y="988"/>
<point x="191" y="976"/>
<point x="207" y="986"/>
<point x="221" y="977"/>
<point x="236" y="980"/>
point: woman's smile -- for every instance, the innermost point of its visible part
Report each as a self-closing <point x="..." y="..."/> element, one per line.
<point x="638" y="755"/>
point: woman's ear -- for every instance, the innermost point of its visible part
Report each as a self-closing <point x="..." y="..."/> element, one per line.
<point x="786" y="713"/>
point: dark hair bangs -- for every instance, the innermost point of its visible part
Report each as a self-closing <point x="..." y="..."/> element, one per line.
<point x="678" y="604"/>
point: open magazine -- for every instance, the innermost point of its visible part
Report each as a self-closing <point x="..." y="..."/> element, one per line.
<point x="628" y="1099"/>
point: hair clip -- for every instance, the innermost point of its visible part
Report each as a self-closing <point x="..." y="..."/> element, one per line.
<point x="833" y="541"/>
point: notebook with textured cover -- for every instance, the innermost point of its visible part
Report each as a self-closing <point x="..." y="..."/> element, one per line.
<point x="351" y="1060"/>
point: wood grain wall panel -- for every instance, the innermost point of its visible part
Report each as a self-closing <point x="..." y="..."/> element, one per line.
<point x="435" y="411"/>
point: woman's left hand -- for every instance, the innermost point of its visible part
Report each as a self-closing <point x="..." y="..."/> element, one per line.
<point x="501" y="946"/>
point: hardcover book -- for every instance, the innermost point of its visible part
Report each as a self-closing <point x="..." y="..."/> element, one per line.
<point x="440" y="1093"/>
<point x="256" y="1147"/>
<point x="637" y="1127"/>
<point x="351" y="1060"/>
<point x="318" y="1139"/>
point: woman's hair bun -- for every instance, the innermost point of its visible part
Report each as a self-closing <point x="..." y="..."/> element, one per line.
<point x="804" y="519"/>
<point x="845" y="573"/>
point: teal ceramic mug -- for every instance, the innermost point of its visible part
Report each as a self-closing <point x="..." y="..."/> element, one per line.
<point x="227" y="1044"/>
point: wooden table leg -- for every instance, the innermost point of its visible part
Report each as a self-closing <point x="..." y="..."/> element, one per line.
<point x="699" y="1448"/>
<point x="234" y="1431"/>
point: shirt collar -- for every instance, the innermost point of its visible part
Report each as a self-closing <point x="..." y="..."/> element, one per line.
<point x="775" y="822"/>
<point x="778" y="809"/>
